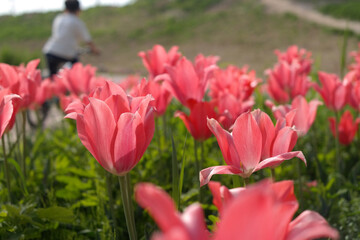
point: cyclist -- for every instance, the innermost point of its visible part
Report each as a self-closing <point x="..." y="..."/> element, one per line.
<point x="67" y="32"/>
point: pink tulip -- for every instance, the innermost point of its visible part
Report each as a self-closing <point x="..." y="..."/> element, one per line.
<point x="114" y="127"/>
<point x="9" y="104"/>
<point x="187" y="81"/>
<point x="254" y="144"/>
<point x="23" y="81"/>
<point x="156" y="59"/>
<point x="222" y="196"/>
<point x="196" y="122"/>
<point x="232" y="90"/>
<point x="299" y="114"/>
<point x="346" y="129"/>
<point x="286" y="81"/>
<point x="265" y="212"/>
<point x="162" y="97"/>
<point x="262" y="211"/>
<point x="44" y="93"/>
<point x="187" y="226"/>
<point x="80" y="79"/>
<point x="300" y="56"/>
<point x="333" y="91"/>
<point x="130" y="82"/>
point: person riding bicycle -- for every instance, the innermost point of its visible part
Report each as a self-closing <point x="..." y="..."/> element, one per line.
<point x="67" y="32"/>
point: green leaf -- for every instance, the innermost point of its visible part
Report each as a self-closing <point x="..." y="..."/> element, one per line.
<point x="58" y="214"/>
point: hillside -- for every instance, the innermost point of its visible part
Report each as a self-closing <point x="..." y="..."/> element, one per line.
<point x="240" y="32"/>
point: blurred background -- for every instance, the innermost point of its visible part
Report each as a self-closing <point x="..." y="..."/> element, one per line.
<point x="239" y="31"/>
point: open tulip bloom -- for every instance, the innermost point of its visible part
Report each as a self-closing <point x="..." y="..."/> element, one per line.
<point x="254" y="143"/>
<point x="299" y="114"/>
<point x="262" y="211"/>
<point x="114" y="127"/>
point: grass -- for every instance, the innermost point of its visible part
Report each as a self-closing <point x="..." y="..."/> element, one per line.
<point x="241" y="32"/>
<point x="349" y="9"/>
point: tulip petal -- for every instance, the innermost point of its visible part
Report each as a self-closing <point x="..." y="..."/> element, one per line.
<point x="129" y="139"/>
<point x="277" y="160"/>
<point x="160" y="206"/>
<point x="206" y="174"/>
<point x="96" y="130"/>
<point x="285" y="141"/>
<point x="193" y="218"/>
<point x="310" y="225"/>
<point x="247" y="136"/>
<point x="225" y="142"/>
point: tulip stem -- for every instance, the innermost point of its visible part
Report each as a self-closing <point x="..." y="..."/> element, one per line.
<point x="197" y="165"/>
<point x="337" y="147"/>
<point x="6" y="169"/>
<point x="111" y="199"/>
<point x="273" y="174"/>
<point x="301" y="199"/>
<point x="246" y="181"/>
<point x="127" y="204"/>
<point x="23" y="162"/>
<point x="158" y="136"/>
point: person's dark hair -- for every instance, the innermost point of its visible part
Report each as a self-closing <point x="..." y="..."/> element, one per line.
<point x="72" y="5"/>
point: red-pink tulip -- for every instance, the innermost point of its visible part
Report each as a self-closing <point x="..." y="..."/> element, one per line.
<point x="222" y="196"/>
<point x="80" y="79"/>
<point x="22" y="80"/>
<point x="232" y="90"/>
<point x="299" y="114"/>
<point x="43" y="93"/>
<point x="196" y="122"/>
<point x="346" y="129"/>
<point x="187" y="81"/>
<point x="254" y="144"/>
<point x="114" y="127"/>
<point x="9" y="104"/>
<point x="263" y="211"/>
<point x="157" y="58"/>
<point x="130" y="82"/>
<point x="300" y="56"/>
<point x="187" y="226"/>
<point x="333" y="91"/>
<point x="162" y="97"/>
<point x="286" y="81"/>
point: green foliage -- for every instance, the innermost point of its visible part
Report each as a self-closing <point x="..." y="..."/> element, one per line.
<point x="13" y="56"/>
<point x="349" y="9"/>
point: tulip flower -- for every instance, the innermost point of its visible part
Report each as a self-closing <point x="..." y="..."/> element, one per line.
<point x="187" y="81"/>
<point x="222" y="196"/>
<point x="80" y="79"/>
<point x="162" y="97"/>
<point x="232" y="91"/>
<point x="130" y="82"/>
<point x="116" y="129"/>
<point x="333" y="91"/>
<point x="346" y="129"/>
<point x="300" y="56"/>
<point x="264" y="211"/>
<point x="9" y="104"/>
<point x="196" y="122"/>
<point x="254" y="144"/>
<point x="8" y="108"/>
<point x="156" y="59"/>
<point x="299" y="114"/>
<point x="187" y="226"/>
<point x="286" y="81"/>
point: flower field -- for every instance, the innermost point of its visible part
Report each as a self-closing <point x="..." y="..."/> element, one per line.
<point x="190" y="151"/>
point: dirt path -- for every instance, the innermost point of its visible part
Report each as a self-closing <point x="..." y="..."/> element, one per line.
<point x="308" y="13"/>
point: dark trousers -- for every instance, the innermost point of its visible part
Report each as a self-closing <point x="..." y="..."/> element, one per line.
<point x="54" y="62"/>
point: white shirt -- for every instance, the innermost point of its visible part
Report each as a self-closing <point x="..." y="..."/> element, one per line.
<point x="67" y="31"/>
